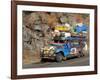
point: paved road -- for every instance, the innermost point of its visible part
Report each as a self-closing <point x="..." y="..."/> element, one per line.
<point x="82" y="61"/>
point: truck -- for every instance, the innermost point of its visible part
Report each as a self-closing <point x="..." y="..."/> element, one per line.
<point x="72" y="46"/>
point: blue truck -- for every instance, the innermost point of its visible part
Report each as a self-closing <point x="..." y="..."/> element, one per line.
<point x="72" y="46"/>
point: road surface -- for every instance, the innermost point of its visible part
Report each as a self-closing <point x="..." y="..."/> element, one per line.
<point x="82" y="61"/>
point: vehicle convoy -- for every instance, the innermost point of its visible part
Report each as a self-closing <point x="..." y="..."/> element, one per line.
<point x="72" y="46"/>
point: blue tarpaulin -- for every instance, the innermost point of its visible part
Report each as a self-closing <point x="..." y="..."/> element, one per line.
<point x="82" y="28"/>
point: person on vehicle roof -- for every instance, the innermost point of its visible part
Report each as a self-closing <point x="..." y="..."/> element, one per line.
<point x="81" y="28"/>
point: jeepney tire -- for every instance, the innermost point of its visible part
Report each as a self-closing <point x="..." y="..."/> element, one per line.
<point x="81" y="54"/>
<point x="42" y="60"/>
<point x="59" y="57"/>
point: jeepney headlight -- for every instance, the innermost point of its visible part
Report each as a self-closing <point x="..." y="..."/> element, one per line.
<point x="41" y="50"/>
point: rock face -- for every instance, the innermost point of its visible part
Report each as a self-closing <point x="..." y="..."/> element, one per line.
<point x="37" y="29"/>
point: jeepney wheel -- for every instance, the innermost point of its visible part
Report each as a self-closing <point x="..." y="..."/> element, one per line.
<point x="59" y="57"/>
<point x="81" y="54"/>
<point x="41" y="57"/>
